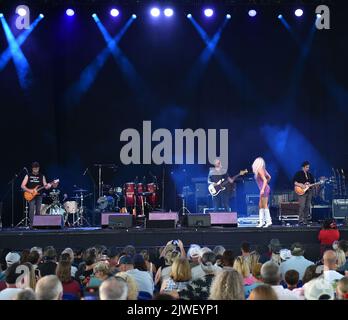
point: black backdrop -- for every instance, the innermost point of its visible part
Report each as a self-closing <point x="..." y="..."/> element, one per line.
<point x="257" y="77"/>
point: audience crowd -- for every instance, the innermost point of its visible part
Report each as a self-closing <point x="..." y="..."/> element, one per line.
<point x="271" y="272"/>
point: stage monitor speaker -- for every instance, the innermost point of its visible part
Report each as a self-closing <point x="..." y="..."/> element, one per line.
<point x="225" y="219"/>
<point x="48" y="222"/>
<point x="120" y="221"/>
<point x="340" y="208"/>
<point x="198" y="220"/>
<point x="105" y="217"/>
<point x="162" y="220"/>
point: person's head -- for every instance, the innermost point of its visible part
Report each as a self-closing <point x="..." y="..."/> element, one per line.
<point x="193" y="253"/>
<point x="203" y="251"/>
<point x="30" y="272"/>
<point x="330" y="260"/>
<point x="297" y="249"/>
<point x="101" y="270"/>
<point x="38" y="250"/>
<point x="24" y="255"/>
<point x="245" y="248"/>
<point x="145" y="254"/>
<point x="342" y="289"/>
<point x="258" y="164"/>
<point x="25" y="294"/>
<point x="90" y="256"/>
<point x="305" y="166"/>
<point x="11" y="275"/>
<point x="270" y="273"/>
<point x="113" y="289"/>
<point x="227" y="285"/>
<point x="171" y="256"/>
<point x="34" y="257"/>
<point x="181" y="270"/>
<point x="256" y="271"/>
<point x="63" y="271"/>
<point x="139" y="262"/>
<point x="50" y="254"/>
<point x="35" y="167"/>
<point x="131" y="284"/>
<point x="49" y="288"/>
<point x="208" y="261"/>
<point x="217" y="163"/>
<point x="310" y="273"/>
<point x="329" y="224"/>
<point x="125" y="263"/>
<point x="70" y="252"/>
<point x="343" y="245"/>
<point x="228" y="258"/>
<point x="291" y="278"/>
<point x="242" y="266"/>
<point x="318" y="289"/>
<point x="263" y="292"/>
<point x="274" y="246"/>
<point x="113" y="258"/>
<point x="219" y="250"/>
<point x="253" y="259"/>
<point x="12" y="258"/>
<point x="341" y="258"/>
<point x="284" y="254"/>
<point x="129" y="251"/>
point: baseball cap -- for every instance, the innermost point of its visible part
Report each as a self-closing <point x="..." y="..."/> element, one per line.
<point x="11" y="258"/>
<point x="194" y="251"/>
<point x="138" y="259"/>
<point x="125" y="260"/>
<point x="319" y="289"/>
<point x="297" y="249"/>
<point x="285" y="254"/>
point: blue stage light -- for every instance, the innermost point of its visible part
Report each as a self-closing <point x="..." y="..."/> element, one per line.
<point x="22" y="12"/>
<point x="168" y="12"/>
<point x="41" y="15"/>
<point x="94" y="15"/>
<point x="252" y="13"/>
<point x="134" y="16"/>
<point x="114" y="12"/>
<point x="155" y="12"/>
<point x="280" y="16"/>
<point x="208" y="12"/>
<point x="228" y="16"/>
<point x="1" y="15"/>
<point x="70" y="12"/>
<point x="189" y="16"/>
<point x="298" y="12"/>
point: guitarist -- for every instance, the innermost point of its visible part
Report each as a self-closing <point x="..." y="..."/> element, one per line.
<point x="30" y="181"/>
<point x="301" y="179"/>
<point x="215" y="175"/>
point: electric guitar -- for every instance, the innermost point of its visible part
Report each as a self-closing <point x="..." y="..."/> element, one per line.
<point x="216" y="188"/>
<point x="301" y="191"/>
<point x="34" y="192"/>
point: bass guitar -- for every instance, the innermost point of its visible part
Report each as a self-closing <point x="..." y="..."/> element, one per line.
<point x="216" y="188"/>
<point x="34" y="192"/>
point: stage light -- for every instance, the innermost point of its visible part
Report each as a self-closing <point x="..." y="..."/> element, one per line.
<point x="41" y="15"/>
<point x="280" y="16"/>
<point x="1" y="15"/>
<point x="298" y="12"/>
<point x="168" y="12"/>
<point x="208" y="12"/>
<point x="134" y="16"/>
<point x="252" y="13"/>
<point x="70" y="12"/>
<point x="189" y="16"/>
<point x="94" y="15"/>
<point x="114" y="12"/>
<point x="22" y="12"/>
<point x="228" y="16"/>
<point x="155" y="12"/>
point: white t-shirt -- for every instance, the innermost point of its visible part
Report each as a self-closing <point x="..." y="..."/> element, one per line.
<point x="332" y="276"/>
<point x="298" y="263"/>
<point x="9" y="293"/>
<point x="143" y="279"/>
<point x="285" y="294"/>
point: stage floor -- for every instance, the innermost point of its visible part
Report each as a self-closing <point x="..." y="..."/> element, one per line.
<point x="231" y="237"/>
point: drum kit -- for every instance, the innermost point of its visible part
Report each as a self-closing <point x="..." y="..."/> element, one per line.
<point x="72" y="208"/>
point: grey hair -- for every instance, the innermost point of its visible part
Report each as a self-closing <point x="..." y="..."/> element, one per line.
<point x="270" y="273"/>
<point x="49" y="288"/>
<point x="113" y="289"/>
<point x="219" y="250"/>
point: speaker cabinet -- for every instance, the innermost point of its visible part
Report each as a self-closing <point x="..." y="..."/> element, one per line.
<point x="48" y="222"/>
<point x="198" y="220"/>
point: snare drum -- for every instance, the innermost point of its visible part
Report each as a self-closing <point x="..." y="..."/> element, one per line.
<point x="56" y="211"/>
<point x="71" y="206"/>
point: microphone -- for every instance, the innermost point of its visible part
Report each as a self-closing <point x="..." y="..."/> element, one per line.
<point x="85" y="171"/>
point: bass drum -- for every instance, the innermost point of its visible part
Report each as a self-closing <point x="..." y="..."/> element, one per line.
<point x="129" y="194"/>
<point x="152" y="198"/>
<point x="71" y="207"/>
<point x="54" y="211"/>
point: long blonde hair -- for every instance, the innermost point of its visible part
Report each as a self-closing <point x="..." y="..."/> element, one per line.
<point x="242" y="266"/>
<point x="258" y="164"/>
<point x="227" y="285"/>
<point x="132" y="285"/>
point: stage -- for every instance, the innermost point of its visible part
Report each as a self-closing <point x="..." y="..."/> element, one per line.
<point x="149" y="238"/>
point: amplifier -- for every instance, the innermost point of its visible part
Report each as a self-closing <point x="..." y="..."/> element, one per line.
<point x="340" y="208"/>
<point x="252" y="199"/>
<point x="289" y="210"/>
<point x="201" y="190"/>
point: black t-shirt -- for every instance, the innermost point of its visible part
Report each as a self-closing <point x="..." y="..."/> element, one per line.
<point x="215" y="176"/>
<point x="34" y="180"/>
<point x="300" y="177"/>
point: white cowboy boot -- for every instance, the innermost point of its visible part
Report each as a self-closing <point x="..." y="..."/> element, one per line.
<point x="261" y="218"/>
<point x="267" y="218"/>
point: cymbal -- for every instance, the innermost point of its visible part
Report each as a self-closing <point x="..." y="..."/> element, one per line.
<point x="80" y="190"/>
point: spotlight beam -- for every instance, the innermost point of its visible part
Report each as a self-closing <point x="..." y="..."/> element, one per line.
<point x="20" y="61"/>
<point x="5" y="57"/>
